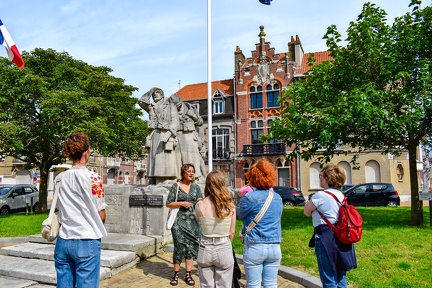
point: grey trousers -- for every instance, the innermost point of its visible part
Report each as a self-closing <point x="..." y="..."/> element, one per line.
<point x="215" y="263"/>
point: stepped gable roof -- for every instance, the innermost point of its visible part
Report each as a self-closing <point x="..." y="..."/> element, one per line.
<point x="199" y="91"/>
<point x="319" y="57"/>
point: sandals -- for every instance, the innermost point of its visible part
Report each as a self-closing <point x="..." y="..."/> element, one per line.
<point x="189" y="280"/>
<point x="174" y="279"/>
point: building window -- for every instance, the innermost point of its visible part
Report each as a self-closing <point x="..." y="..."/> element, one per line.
<point x="221" y="149"/>
<point x="218" y="106"/>
<point x="256" y="130"/>
<point x="256" y="97"/>
<point x="283" y="174"/>
<point x="196" y="106"/>
<point x="272" y="141"/>
<point x="272" y="95"/>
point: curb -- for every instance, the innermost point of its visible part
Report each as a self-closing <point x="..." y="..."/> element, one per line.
<point x="14" y="240"/>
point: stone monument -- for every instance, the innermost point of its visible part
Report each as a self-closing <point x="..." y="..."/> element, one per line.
<point x="174" y="137"/>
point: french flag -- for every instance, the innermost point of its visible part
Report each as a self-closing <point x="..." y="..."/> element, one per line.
<point x="11" y="49"/>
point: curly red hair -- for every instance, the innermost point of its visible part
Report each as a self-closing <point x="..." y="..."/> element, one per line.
<point x="262" y="174"/>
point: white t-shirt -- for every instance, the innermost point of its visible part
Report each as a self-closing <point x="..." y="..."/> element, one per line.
<point x="327" y="205"/>
<point x="80" y="199"/>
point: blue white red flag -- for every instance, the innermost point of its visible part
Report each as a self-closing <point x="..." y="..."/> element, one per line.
<point x="11" y="49"/>
<point x="265" y="2"/>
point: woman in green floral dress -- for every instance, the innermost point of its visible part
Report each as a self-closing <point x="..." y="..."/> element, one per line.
<point x="186" y="231"/>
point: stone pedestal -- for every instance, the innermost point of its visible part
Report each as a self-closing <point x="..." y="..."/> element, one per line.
<point x="127" y="215"/>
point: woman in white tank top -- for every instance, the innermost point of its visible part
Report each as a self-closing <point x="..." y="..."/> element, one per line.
<point x="216" y="213"/>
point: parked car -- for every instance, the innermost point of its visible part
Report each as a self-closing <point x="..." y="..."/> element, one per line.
<point x="373" y="194"/>
<point x="290" y="196"/>
<point x="346" y="187"/>
<point x="15" y="198"/>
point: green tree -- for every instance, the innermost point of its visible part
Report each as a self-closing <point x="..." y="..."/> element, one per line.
<point x="55" y="95"/>
<point x="374" y="95"/>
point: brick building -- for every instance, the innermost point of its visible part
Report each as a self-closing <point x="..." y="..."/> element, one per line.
<point x="244" y="107"/>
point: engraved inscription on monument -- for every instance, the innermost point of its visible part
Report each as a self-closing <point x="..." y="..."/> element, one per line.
<point x="146" y="200"/>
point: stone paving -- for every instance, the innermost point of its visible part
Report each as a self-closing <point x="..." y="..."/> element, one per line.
<point x="156" y="272"/>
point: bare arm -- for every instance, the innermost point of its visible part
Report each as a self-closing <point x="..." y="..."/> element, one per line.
<point x="309" y="208"/>
<point x="102" y="215"/>
<point x="233" y="224"/>
<point x="184" y="204"/>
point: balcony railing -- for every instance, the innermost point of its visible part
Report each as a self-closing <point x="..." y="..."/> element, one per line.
<point x="112" y="162"/>
<point x="141" y="167"/>
<point x="221" y="154"/>
<point x="264" y="149"/>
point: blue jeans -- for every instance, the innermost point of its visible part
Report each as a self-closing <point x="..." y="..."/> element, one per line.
<point x="329" y="278"/>
<point x="261" y="263"/>
<point x="77" y="262"/>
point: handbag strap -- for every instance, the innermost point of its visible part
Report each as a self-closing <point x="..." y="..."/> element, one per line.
<point x="54" y="201"/>
<point x="324" y="217"/>
<point x="178" y="185"/>
<point x="260" y="214"/>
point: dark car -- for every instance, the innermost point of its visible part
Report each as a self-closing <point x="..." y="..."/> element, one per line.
<point x="346" y="187"/>
<point x="15" y="198"/>
<point x="373" y="194"/>
<point x="290" y="196"/>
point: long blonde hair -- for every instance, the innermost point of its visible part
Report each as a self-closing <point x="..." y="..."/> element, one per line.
<point x="217" y="191"/>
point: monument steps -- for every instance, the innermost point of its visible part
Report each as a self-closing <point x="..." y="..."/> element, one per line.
<point x="26" y="264"/>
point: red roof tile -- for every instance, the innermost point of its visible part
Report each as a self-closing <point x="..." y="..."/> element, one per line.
<point x="319" y="57"/>
<point x="199" y="91"/>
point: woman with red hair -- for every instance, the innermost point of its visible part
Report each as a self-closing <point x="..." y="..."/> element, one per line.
<point x="261" y="251"/>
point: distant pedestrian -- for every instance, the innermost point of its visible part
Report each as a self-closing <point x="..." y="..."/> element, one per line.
<point x="334" y="258"/>
<point x="261" y="251"/>
<point x="216" y="213"/>
<point x="82" y="216"/>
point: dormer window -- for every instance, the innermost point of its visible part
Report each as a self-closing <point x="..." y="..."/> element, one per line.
<point x="218" y="102"/>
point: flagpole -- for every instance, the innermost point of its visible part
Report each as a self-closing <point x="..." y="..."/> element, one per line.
<point x="209" y="91"/>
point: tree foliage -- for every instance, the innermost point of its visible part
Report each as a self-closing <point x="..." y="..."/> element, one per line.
<point x="55" y="95"/>
<point x="375" y="93"/>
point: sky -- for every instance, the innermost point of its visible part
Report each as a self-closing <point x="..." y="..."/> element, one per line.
<point x="163" y="43"/>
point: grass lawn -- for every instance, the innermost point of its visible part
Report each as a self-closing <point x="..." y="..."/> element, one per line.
<point x="390" y="254"/>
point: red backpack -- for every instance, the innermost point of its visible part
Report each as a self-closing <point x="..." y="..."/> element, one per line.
<point x="348" y="227"/>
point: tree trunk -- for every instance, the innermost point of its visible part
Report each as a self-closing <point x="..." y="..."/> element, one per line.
<point x="416" y="204"/>
<point x="43" y="189"/>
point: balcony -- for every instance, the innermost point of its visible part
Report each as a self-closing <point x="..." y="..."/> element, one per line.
<point x="112" y="162"/>
<point x="141" y="167"/>
<point x="220" y="154"/>
<point x="264" y="149"/>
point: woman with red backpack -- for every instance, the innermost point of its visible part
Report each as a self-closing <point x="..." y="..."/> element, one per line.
<point x="334" y="258"/>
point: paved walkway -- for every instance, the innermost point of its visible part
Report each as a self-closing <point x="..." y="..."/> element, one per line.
<point x="156" y="271"/>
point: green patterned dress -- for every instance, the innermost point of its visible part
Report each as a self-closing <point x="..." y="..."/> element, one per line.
<point x="186" y="231"/>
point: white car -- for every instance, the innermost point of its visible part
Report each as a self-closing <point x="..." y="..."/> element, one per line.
<point x="15" y="198"/>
